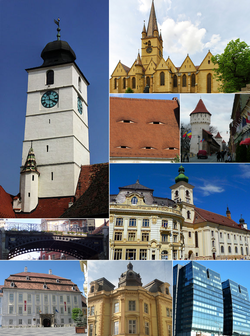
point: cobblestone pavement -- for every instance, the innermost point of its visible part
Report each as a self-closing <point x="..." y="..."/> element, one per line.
<point x="67" y="331"/>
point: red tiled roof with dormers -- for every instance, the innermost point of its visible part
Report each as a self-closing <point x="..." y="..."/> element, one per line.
<point x="138" y="136"/>
<point x="200" y="108"/>
<point x="202" y="215"/>
<point x="37" y="280"/>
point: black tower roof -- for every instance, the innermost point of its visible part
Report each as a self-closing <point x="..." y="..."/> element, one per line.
<point x="130" y="278"/>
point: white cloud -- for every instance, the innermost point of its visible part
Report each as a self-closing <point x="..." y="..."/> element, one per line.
<point x="245" y="169"/>
<point x="209" y="189"/>
<point x="199" y="14"/>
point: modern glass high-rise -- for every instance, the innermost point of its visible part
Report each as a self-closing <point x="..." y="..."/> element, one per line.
<point x="236" y="309"/>
<point x="197" y="301"/>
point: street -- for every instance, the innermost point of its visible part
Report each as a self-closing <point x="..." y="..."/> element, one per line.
<point x="212" y="158"/>
<point x="66" y="331"/>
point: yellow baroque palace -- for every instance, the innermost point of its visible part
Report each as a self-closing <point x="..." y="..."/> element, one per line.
<point x="151" y="73"/>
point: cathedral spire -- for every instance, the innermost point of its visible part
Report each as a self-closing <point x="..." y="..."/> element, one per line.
<point x="152" y="23"/>
<point x="138" y="60"/>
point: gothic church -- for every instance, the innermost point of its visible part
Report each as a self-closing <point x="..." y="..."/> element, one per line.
<point x="151" y="73"/>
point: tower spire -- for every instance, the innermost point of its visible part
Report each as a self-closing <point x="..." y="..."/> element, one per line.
<point x="152" y="23"/>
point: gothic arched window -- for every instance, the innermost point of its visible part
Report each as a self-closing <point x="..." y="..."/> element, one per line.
<point x="148" y="81"/>
<point x="133" y="83"/>
<point x="209" y="77"/>
<point x="193" y="80"/>
<point x="124" y="83"/>
<point x="162" y="78"/>
<point x="175" y="81"/>
<point x="184" y="80"/>
<point x="115" y="83"/>
<point x="50" y="77"/>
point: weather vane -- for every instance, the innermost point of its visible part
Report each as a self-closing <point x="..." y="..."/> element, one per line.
<point x="58" y="29"/>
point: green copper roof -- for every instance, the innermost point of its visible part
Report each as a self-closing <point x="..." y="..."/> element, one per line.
<point x="181" y="176"/>
<point x="30" y="164"/>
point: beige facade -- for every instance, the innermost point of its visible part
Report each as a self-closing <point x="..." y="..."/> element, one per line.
<point x="131" y="308"/>
<point x="162" y="76"/>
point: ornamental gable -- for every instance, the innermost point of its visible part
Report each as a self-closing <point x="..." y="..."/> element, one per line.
<point x="187" y="65"/>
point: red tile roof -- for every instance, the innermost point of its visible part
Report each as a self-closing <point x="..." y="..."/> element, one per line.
<point x="202" y="215"/>
<point x="200" y="108"/>
<point x="126" y="68"/>
<point x="142" y="133"/>
<point x="6" y="209"/>
<point x="37" y="281"/>
<point x="218" y="135"/>
<point x="99" y="229"/>
<point x="207" y="131"/>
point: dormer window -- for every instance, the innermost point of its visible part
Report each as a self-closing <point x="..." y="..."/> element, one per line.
<point x="127" y="121"/>
<point x="57" y="280"/>
<point x="134" y="200"/>
<point x="27" y="277"/>
<point x="73" y="288"/>
<point x="92" y="289"/>
<point x="45" y="286"/>
<point x="12" y="284"/>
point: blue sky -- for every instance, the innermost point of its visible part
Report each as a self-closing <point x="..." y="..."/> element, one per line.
<point x="25" y="28"/>
<point x="112" y="270"/>
<point x="216" y="186"/>
<point x="238" y="271"/>
<point x="66" y="269"/>
<point x="187" y="27"/>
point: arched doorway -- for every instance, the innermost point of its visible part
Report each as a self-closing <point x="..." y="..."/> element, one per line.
<point x="47" y="322"/>
<point x="190" y="254"/>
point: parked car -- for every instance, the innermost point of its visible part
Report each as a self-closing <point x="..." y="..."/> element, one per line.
<point x="202" y="154"/>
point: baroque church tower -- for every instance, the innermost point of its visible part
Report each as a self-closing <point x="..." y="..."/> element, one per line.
<point x="56" y="140"/>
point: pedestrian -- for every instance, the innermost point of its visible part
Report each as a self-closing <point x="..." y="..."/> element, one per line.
<point x="222" y="155"/>
<point x="218" y="156"/>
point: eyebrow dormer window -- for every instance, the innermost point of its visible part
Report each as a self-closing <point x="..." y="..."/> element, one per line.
<point x="134" y="200"/>
<point x="50" y="77"/>
<point x="156" y="122"/>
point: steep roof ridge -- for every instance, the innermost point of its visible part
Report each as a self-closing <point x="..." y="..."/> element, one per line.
<point x="152" y="22"/>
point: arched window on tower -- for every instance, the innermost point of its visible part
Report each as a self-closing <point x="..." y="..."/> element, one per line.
<point x="148" y="81"/>
<point x="193" y="80"/>
<point x="184" y="81"/>
<point x="162" y="78"/>
<point x="124" y="83"/>
<point x="50" y="77"/>
<point x="209" y="83"/>
<point x="133" y="83"/>
<point x="175" y="81"/>
<point x="79" y="84"/>
<point x="188" y="214"/>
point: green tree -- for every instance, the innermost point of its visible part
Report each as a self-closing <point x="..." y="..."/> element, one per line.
<point x="233" y="66"/>
<point x="129" y="90"/>
<point x="76" y="312"/>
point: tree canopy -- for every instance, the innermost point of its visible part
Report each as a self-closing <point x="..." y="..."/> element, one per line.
<point x="233" y="66"/>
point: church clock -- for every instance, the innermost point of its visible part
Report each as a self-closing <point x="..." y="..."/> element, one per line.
<point x="49" y="99"/>
<point x="149" y="50"/>
<point x="79" y="105"/>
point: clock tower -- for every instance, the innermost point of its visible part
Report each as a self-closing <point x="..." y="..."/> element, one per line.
<point x="151" y="41"/>
<point x="56" y="123"/>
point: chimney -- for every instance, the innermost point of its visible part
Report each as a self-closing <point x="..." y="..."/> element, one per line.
<point x="25" y="269"/>
<point x="50" y="271"/>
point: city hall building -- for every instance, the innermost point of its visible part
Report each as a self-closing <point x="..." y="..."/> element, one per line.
<point x="38" y="300"/>
<point x="147" y="227"/>
<point x="131" y="308"/>
<point x="151" y="71"/>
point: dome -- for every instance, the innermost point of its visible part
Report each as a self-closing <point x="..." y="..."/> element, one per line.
<point x="57" y="52"/>
<point x="181" y="176"/>
<point x="129" y="278"/>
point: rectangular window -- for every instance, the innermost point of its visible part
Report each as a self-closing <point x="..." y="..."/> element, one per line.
<point x="10" y="322"/>
<point x="46" y="309"/>
<point x="212" y="233"/>
<point x="167" y="312"/>
<point x="132" y="222"/>
<point x="131" y="305"/>
<point x="29" y="310"/>
<point x="69" y="320"/>
<point x="92" y="310"/>
<point x="68" y="299"/>
<point x="146" y="308"/>
<point x="29" y="298"/>
<point x="146" y="328"/>
<point x="145" y="236"/>
<point x="53" y="298"/>
<point x="11" y="297"/>
<point x="119" y="222"/>
<point x="38" y="322"/>
<point x="33" y="177"/>
<point x="52" y="176"/>
<point x="75" y="299"/>
<point x="46" y="298"/>
<point x="61" y="310"/>
<point x="37" y="298"/>
<point x="116" y="328"/>
<point x="118" y="235"/>
<point x="175" y="239"/>
<point x="170" y="312"/>
<point x="29" y="321"/>
<point x="62" y="321"/>
<point x="69" y="310"/>
<point x="164" y="238"/>
<point x="61" y="299"/>
<point x="132" y="326"/>
<point x="118" y="254"/>
<point x="10" y="309"/>
<point x="145" y="222"/>
<point x="20" y="310"/>
<point x="131" y="236"/>
<point x="20" y="321"/>
<point x="164" y="223"/>
<point x="37" y="309"/>
<point x="189" y="234"/>
<point x="143" y="254"/>
<point x="131" y="254"/>
<point x="169" y="330"/>
<point x="91" y="330"/>
<point x="220" y="234"/>
<point x="116" y="307"/>
<point x="20" y="298"/>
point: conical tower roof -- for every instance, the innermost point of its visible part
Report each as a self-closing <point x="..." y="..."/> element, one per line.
<point x="181" y="176"/>
<point x="218" y="135"/>
<point x="152" y="23"/>
<point x="138" y="60"/>
<point x="200" y="108"/>
<point x="30" y="164"/>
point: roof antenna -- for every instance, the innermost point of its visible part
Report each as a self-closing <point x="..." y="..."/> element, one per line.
<point x="58" y="29"/>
